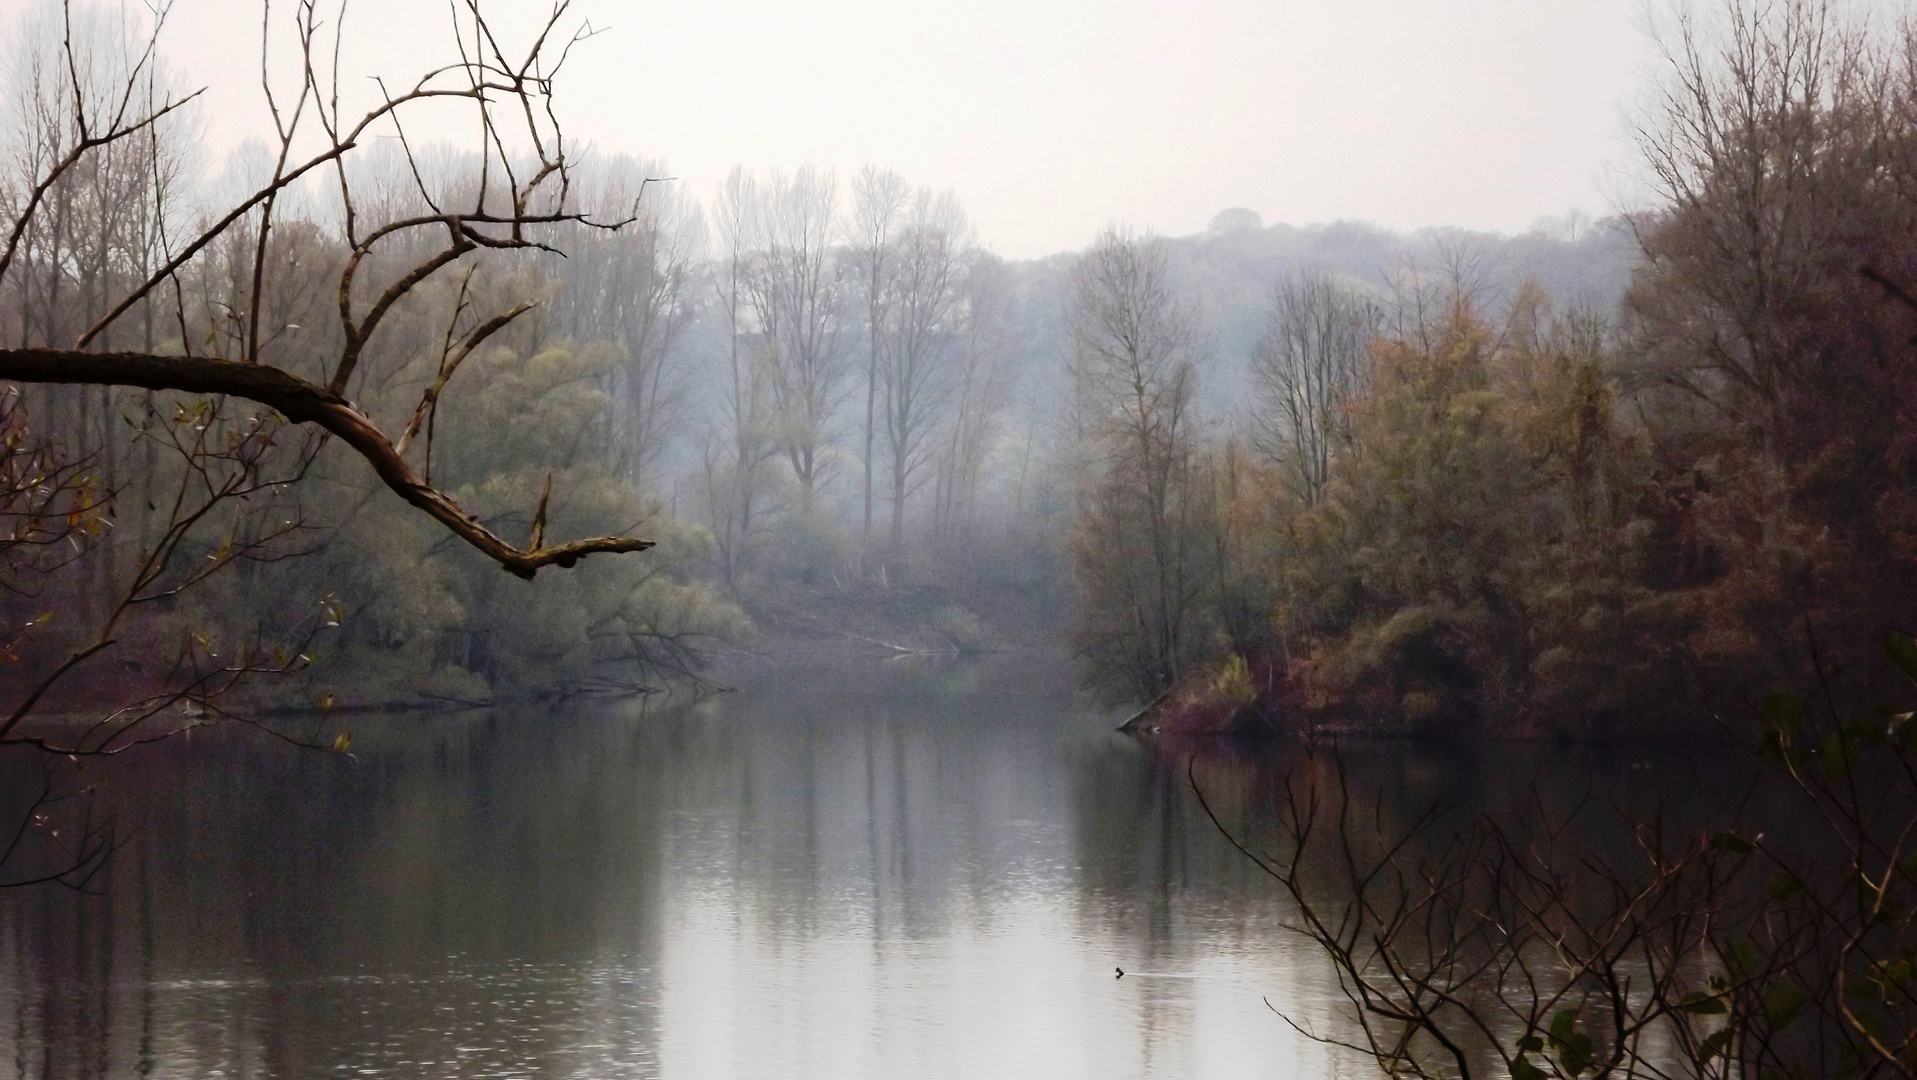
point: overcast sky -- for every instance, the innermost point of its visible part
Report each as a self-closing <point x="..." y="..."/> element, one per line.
<point x="1050" y="118"/>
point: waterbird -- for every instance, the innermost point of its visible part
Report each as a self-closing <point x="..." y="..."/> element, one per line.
<point x="1121" y="972"/>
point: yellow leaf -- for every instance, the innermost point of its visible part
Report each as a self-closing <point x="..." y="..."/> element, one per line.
<point x="342" y="742"/>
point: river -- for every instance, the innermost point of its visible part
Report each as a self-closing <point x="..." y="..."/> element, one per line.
<point x="870" y="871"/>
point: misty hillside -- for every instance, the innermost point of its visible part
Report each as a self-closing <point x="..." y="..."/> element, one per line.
<point x="1232" y="268"/>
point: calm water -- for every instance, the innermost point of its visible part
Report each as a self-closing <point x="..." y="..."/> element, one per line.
<point x="874" y="872"/>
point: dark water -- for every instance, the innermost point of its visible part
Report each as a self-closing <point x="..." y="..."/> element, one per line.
<point x="871" y="872"/>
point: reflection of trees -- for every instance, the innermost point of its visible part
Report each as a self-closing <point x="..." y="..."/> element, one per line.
<point x="457" y="853"/>
<point x="1712" y="925"/>
<point x="807" y="859"/>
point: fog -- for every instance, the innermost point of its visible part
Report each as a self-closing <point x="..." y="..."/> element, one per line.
<point x="1085" y="377"/>
<point x="862" y="524"/>
<point x="1052" y="120"/>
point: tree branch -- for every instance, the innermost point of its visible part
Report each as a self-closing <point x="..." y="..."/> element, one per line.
<point x="306" y="403"/>
<point x="450" y="365"/>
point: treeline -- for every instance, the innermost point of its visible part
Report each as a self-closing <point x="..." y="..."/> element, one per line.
<point x="1444" y="509"/>
<point x="806" y="384"/>
<point x="866" y="348"/>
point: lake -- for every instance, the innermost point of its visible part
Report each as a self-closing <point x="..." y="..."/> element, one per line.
<point x="875" y="870"/>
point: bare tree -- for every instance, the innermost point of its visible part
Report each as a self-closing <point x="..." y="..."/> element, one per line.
<point x="1135" y="344"/>
<point x="920" y="333"/>
<point x="1778" y="142"/>
<point x="104" y="219"/>
<point x="1305" y="370"/>
<point x="878" y="198"/>
<point x="634" y="289"/>
<point x="982" y="389"/>
<point x="740" y="439"/>
<point x="1450" y="276"/>
<point x="797" y="300"/>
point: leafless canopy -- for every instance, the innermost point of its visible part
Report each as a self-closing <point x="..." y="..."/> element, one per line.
<point x="523" y="191"/>
<point x="1306" y="368"/>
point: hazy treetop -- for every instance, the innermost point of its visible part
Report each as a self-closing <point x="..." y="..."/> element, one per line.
<point x="1050" y="120"/>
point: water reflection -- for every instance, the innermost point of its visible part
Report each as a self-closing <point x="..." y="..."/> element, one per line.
<point x="869" y="872"/>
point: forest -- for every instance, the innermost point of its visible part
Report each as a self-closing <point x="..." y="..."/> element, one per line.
<point x="412" y="417"/>
<point x="1446" y="481"/>
<point x="1534" y="512"/>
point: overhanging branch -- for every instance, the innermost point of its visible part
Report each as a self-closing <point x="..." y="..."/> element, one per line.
<point x="306" y="403"/>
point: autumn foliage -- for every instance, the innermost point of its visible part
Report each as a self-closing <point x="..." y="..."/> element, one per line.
<point x="1539" y="519"/>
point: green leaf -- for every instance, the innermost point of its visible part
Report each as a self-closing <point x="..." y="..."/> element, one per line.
<point x="1783" y="885"/>
<point x="1730" y="841"/>
<point x="1836" y="754"/>
<point x="1903" y="652"/>
<point x="1716" y="1042"/>
<point x="1785" y="712"/>
<point x="1863" y="731"/>
<point x="1741" y="959"/>
<point x="1782" y="1004"/>
<point x="1530" y="1043"/>
<point x="1562" y="1025"/>
<point x="1699" y="1003"/>
<point x="1522" y="1069"/>
<point x="1579" y="1055"/>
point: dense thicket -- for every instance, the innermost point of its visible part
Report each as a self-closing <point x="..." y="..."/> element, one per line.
<point x="1547" y="515"/>
<point x="195" y="520"/>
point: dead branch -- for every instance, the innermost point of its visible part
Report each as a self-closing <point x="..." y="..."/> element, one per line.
<point x="307" y="403"/>
<point x="429" y="400"/>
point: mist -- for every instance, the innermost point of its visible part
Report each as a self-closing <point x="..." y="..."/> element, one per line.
<point x="661" y="510"/>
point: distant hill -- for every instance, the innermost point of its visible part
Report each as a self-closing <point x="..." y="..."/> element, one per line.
<point x="1229" y="270"/>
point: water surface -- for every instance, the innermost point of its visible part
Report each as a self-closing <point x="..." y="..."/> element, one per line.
<point x="873" y="871"/>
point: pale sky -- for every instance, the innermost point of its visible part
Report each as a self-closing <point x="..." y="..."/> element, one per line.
<point x="1050" y="118"/>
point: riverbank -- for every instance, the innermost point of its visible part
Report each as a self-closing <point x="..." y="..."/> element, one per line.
<point x="1260" y="699"/>
<point x="796" y="624"/>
